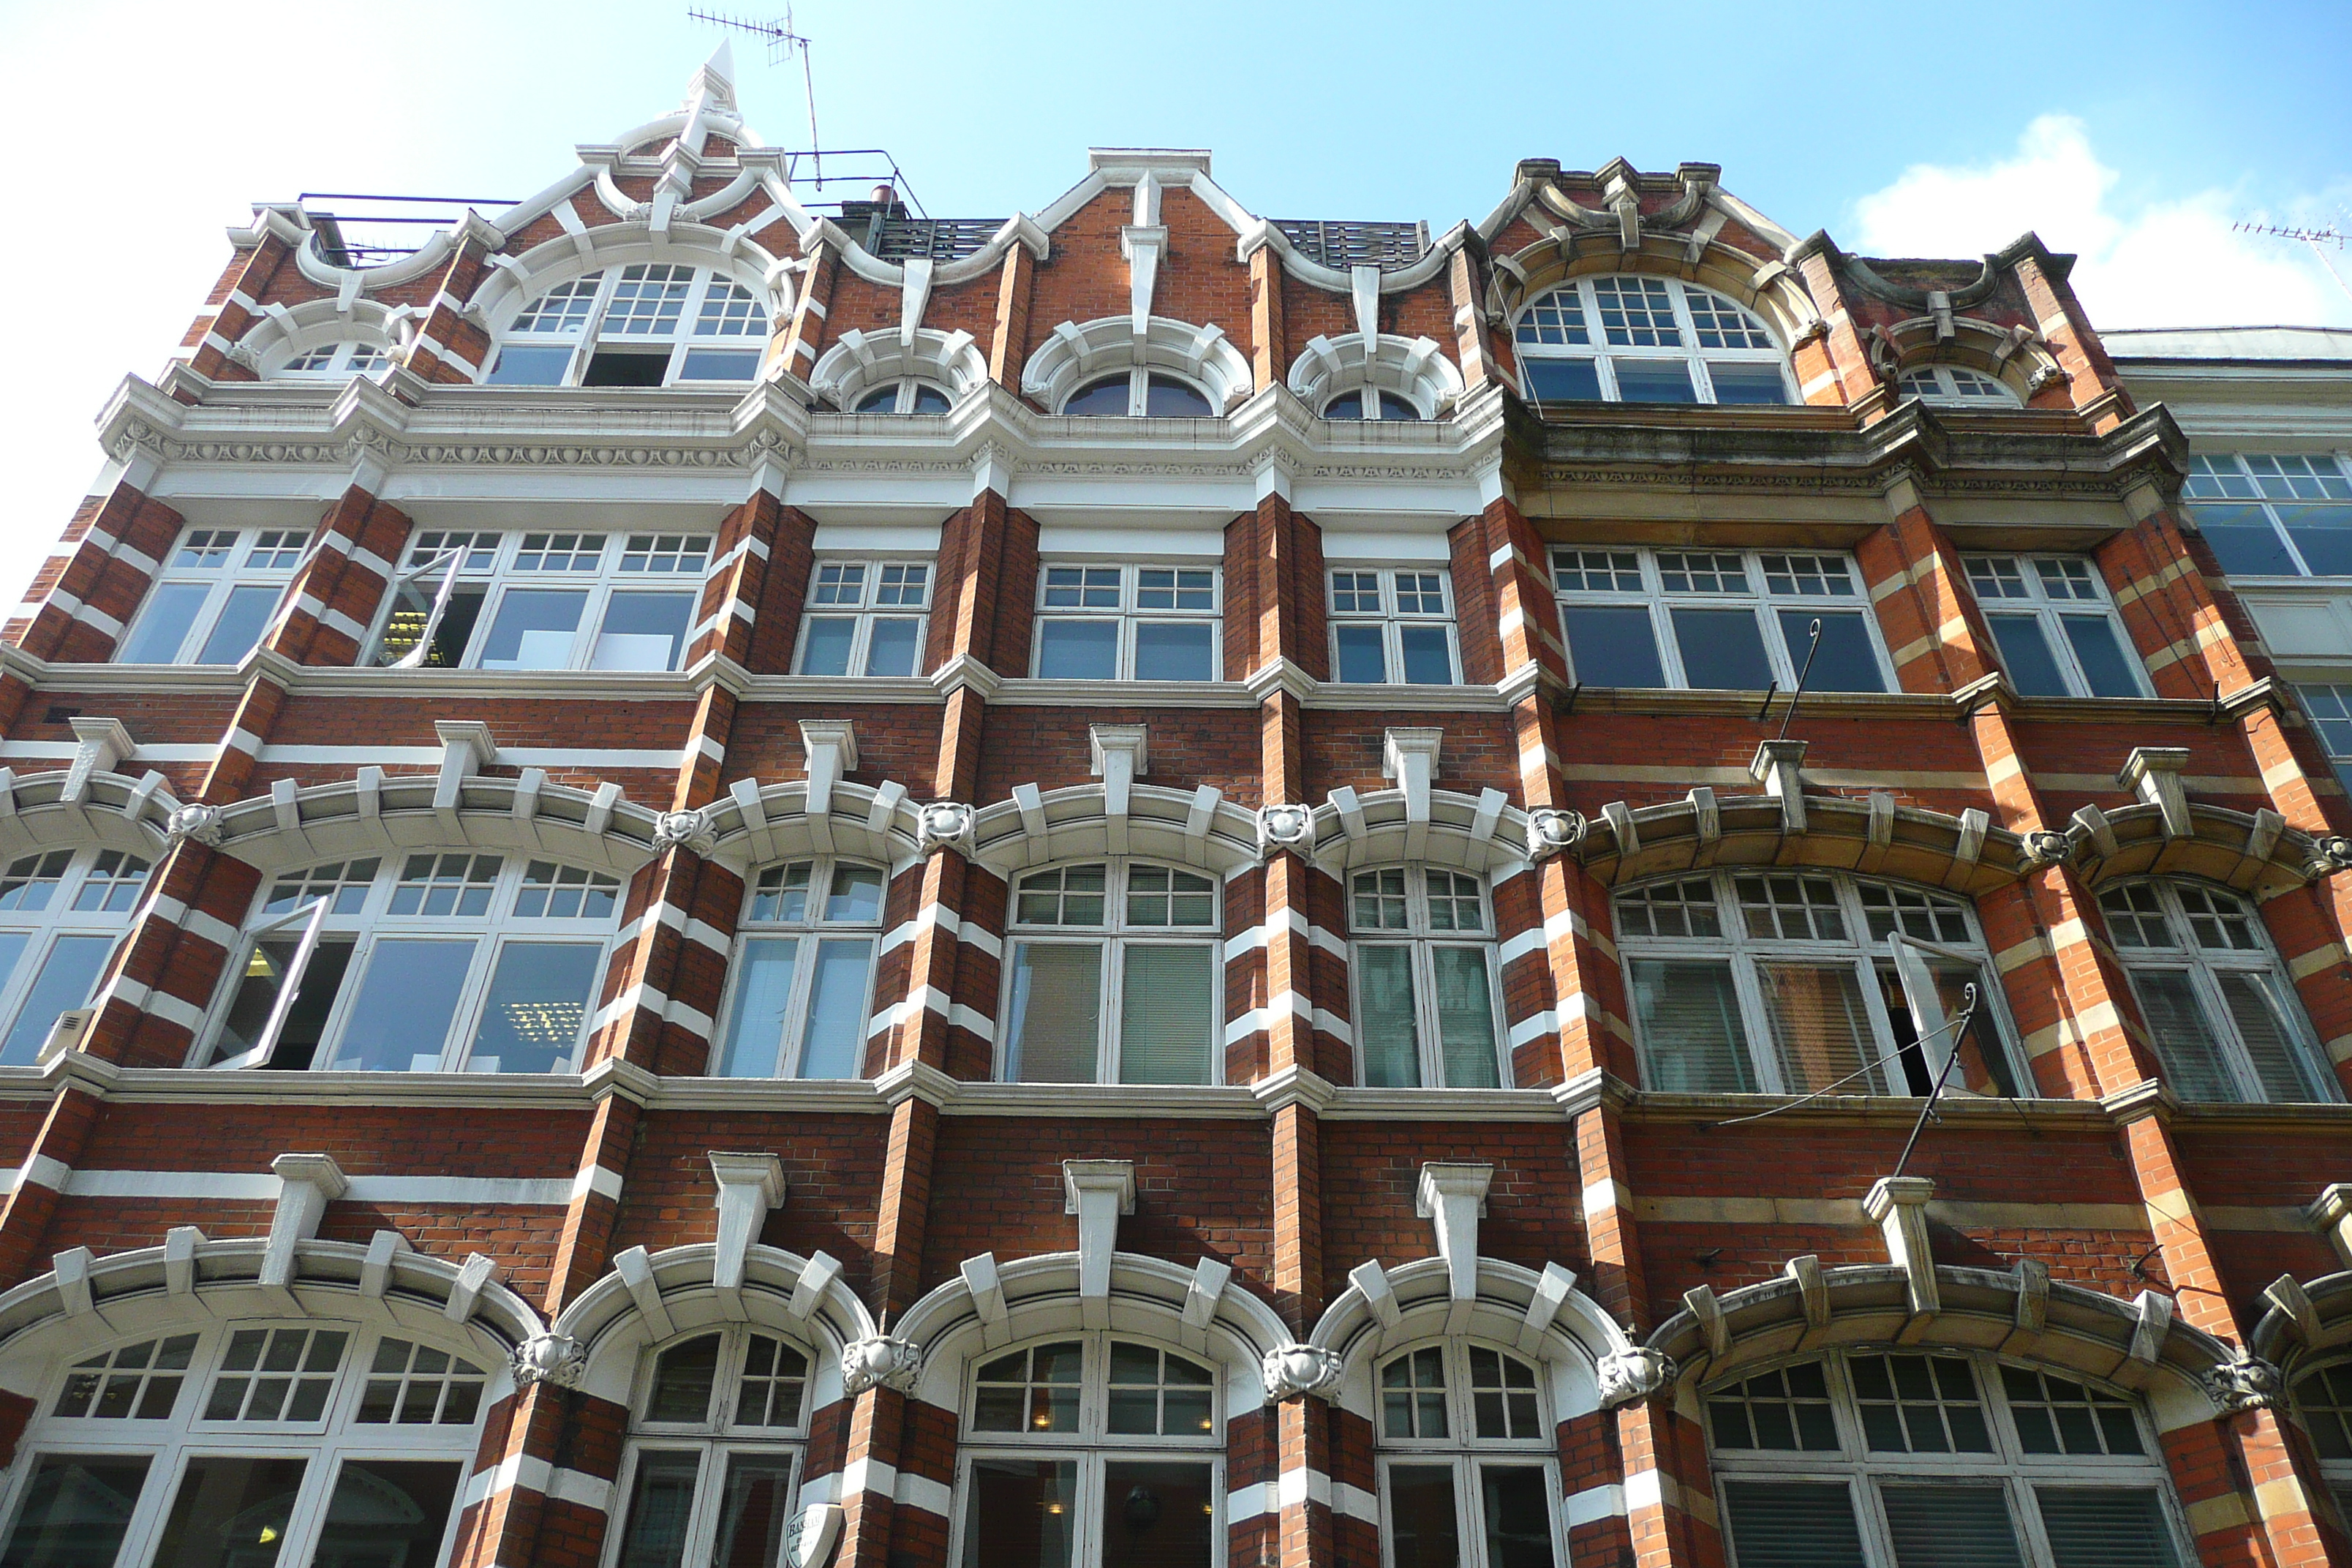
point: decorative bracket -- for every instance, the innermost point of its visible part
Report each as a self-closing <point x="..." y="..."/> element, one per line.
<point x="1898" y="1206"/>
<point x="1290" y="1371"/>
<point x="2153" y="773"/>
<point x="1550" y="832"/>
<point x="1780" y="767"/>
<point x="1097" y="1192"/>
<point x="1634" y="1373"/>
<point x="750" y="1188"/>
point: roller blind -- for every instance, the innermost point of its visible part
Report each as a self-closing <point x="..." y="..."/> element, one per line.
<point x="2106" y="1527"/>
<point x="1793" y="1524"/>
<point x="2182" y="1035"/>
<point x="1056" y="1012"/>
<point x="1821" y="1028"/>
<point x="1465" y="1017"/>
<point x="1385" y="1033"/>
<point x="2269" y="1037"/>
<point x="1167" y="1015"/>
<point x="1950" y="1527"/>
<point x="1688" y="1013"/>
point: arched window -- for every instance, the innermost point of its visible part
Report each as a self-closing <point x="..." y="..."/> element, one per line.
<point x="1788" y="981"/>
<point x="1423" y="960"/>
<point x="804" y="971"/>
<point x="1092" y="1451"/>
<point x="720" y="1424"/>
<point x="247" y="1444"/>
<point x="1877" y="1459"/>
<point x="336" y="362"/>
<point x="2323" y="1398"/>
<point x="644" y="324"/>
<point x="1956" y="386"/>
<point x="1634" y="339"/>
<point x="1116" y="976"/>
<point x="448" y="961"/>
<point x="1370" y="405"/>
<point x="61" y="912"/>
<point x="2220" y="1011"/>
<point x="1140" y="392"/>
<point x="906" y="396"/>
<point x="1468" y="1473"/>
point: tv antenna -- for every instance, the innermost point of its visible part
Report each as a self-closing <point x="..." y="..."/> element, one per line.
<point x="2321" y="240"/>
<point x="784" y="43"/>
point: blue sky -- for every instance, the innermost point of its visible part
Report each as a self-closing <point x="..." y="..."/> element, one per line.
<point x="2135" y="133"/>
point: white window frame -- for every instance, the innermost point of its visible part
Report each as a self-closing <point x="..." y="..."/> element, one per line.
<point x="1956" y="387"/>
<point x="1128" y="615"/>
<point x="1860" y="1468"/>
<point x="439" y="562"/>
<point x="325" y="1444"/>
<point x="490" y="933"/>
<point x="1370" y="407"/>
<point x="2205" y="965"/>
<point x="808" y="931"/>
<point x="1139" y="389"/>
<point x="1114" y="936"/>
<point x="1466" y="1453"/>
<point x="713" y="1440"/>
<point x="1687" y="351"/>
<point x="2327" y="708"/>
<point x="58" y="918"/>
<point x="255" y="558"/>
<point x="865" y="610"/>
<point x="1991" y="1028"/>
<point x="2335" y="1470"/>
<point x="904" y="391"/>
<point x="2038" y="602"/>
<point x="1420" y="938"/>
<point x="2267" y="481"/>
<point x="1093" y="1446"/>
<point x="1391" y="620"/>
<point x="684" y="338"/>
<point x="1786" y="662"/>
<point x="344" y="359"/>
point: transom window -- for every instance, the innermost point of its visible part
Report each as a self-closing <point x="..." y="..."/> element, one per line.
<point x="714" y="1459"/>
<point x="1368" y="403"/>
<point x="864" y="617"/>
<point x="216" y="595"/>
<point x="1137" y="392"/>
<point x="1116" y="976"/>
<point x="906" y="396"/>
<point x="1127" y="623"/>
<point x="1391" y="624"/>
<point x="804" y="971"/>
<point x="1466" y="1475"/>
<point x="543" y="601"/>
<point x="1787" y="982"/>
<point x="1956" y="386"/>
<point x="61" y="913"/>
<point x="337" y="361"/>
<point x="246" y="1445"/>
<point x="2058" y="633"/>
<point x="2221" y="1012"/>
<point x="1646" y="339"/>
<point x="2274" y="516"/>
<point x="1731" y="620"/>
<point x="1423" y="960"/>
<point x="1871" y="1458"/>
<point x="1091" y="1450"/>
<point x="644" y="324"/>
<point x="427" y="962"/>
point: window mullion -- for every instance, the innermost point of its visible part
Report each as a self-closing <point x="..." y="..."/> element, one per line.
<point x="1748" y="986"/>
<point x="795" y="1022"/>
<point x="1107" y="1042"/>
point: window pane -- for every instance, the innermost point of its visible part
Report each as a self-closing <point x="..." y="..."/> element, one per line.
<point x="1177" y="651"/>
<point x="2265" y="1028"/>
<point x="230" y="1513"/>
<point x="1155" y="1514"/>
<point x="1793" y="1524"/>
<point x="1654" y="381"/>
<point x="1747" y="383"/>
<point x="306" y="1020"/>
<point x="1518" y="1516"/>
<point x="1950" y="1527"/>
<point x="1688" y="1016"/>
<point x="76" y="1510"/>
<point x="1820" y="1027"/>
<point x="1104" y="398"/>
<point x="1077" y="650"/>
<point x="1422" y="1530"/>
<point x="834" y="1045"/>
<point x="240" y="625"/>
<point x="2244" y="541"/>
<point x="534" y="629"/>
<point x="825" y="650"/>
<point x="2106" y="1527"/>
<point x="539" y="1001"/>
<point x="1465" y="1017"/>
<point x="660" y="1503"/>
<point x="721" y="364"/>
<point x="1615" y="645"/>
<point x="683" y="1375"/>
<point x="752" y="1515"/>
<point x="1723" y="651"/>
<point x="1168" y="1016"/>
<point x="386" y="1513"/>
<point x="2106" y="666"/>
<point x="1057" y="1013"/>
<point x="1564" y="380"/>
<point x="1165" y="397"/>
<point x="520" y="366"/>
<point x="2183" y="1035"/>
<point x="400" y="1019"/>
<point x="625" y="367"/>
<point x="2025" y="653"/>
<point x="1428" y="659"/>
<point x="1386" y="1031"/>
<point x="1846" y="662"/>
<point x="67" y="977"/>
<point x="1022" y="1513"/>
<point x="161" y="631"/>
<point x="1362" y="661"/>
<point x="643" y="631"/>
<point x="2324" y="534"/>
<point x="890" y="645"/>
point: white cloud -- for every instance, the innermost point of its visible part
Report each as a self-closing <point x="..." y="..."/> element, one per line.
<point x="2167" y="263"/>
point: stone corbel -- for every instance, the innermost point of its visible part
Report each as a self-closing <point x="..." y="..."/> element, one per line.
<point x="555" y="1359"/>
<point x="1898" y="1206"/>
<point x="2330" y="1214"/>
<point x="1452" y="1197"/>
<point x="1634" y="1373"/>
<point x="2153" y="773"/>
<point x="467" y="748"/>
<point x="688" y="830"/>
<point x="1550" y="832"/>
<point x="307" y="1183"/>
<point x="1284" y="827"/>
<point x="1290" y="1371"/>
<point x="944" y="825"/>
<point x="750" y="1188"/>
<point x="1097" y="1192"/>
<point x="1411" y="758"/>
<point x="831" y="748"/>
<point x="1780" y="767"/>
<point x="100" y="744"/>
<point x="1118" y="754"/>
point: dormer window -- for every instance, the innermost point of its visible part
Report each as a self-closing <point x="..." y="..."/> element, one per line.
<point x="644" y="325"/>
<point x="1647" y="339"/>
<point x="1956" y="387"/>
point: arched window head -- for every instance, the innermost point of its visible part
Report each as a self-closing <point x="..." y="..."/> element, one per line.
<point x="906" y="396"/>
<point x="1640" y="339"/>
<point x="804" y="971"/>
<point x="1791" y="981"/>
<point x="436" y="961"/>
<point x="1370" y="405"/>
<point x="2220" y="1011"/>
<point x="716" y="1448"/>
<point x="1117" y="976"/>
<point x="658" y="323"/>
<point x="336" y="362"/>
<point x="1956" y="386"/>
<point x="1092" y="1451"/>
<point x="1423" y="964"/>
<point x="1465" y="1469"/>
<point x="2324" y="1399"/>
<point x="1139" y="393"/>
<point x="1879" y="1457"/>
<point x="61" y="913"/>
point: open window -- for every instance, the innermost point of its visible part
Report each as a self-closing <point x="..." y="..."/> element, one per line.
<point x="645" y="324"/>
<point x="543" y="601"/>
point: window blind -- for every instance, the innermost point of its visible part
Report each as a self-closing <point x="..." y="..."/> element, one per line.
<point x="1167" y="1015"/>
<point x="1689" y="1017"/>
<point x="1385" y="1033"/>
<point x="1465" y="1017"/>
<point x="2278" y="1056"/>
<point x="834" y="1044"/>
<point x="1056" y="1012"/>
<point x="1820" y="1028"/>
<point x="2182" y="1035"/>
<point x="1951" y="1527"/>
<point x="2106" y="1527"/>
<point x="1793" y="1524"/>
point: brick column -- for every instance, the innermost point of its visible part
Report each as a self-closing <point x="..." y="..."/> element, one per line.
<point x="336" y="595"/>
<point x="86" y="595"/>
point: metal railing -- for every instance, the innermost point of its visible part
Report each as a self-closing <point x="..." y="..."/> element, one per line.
<point x="1342" y="245"/>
